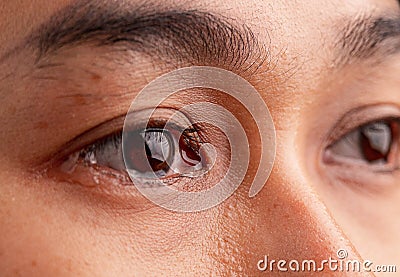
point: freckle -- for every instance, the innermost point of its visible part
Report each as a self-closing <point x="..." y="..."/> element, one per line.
<point x="34" y="263"/>
<point x="95" y="77"/>
<point x="13" y="110"/>
<point x="41" y="125"/>
<point x="80" y="100"/>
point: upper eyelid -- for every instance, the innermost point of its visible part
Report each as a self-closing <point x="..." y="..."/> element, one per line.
<point x="107" y="128"/>
<point x="143" y="116"/>
<point x="359" y="117"/>
<point x="84" y="139"/>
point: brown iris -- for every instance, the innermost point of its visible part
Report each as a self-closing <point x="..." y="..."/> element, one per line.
<point x="154" y="151"/>
<point x="376" y="141"/>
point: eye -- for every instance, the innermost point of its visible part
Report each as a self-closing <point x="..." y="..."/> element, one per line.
<point x="375" y="143"/>
<point x="150" y="151"/>
<point x="165" y="152"/>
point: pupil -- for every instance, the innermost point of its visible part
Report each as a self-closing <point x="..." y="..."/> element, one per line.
<point x="376" y="140"/>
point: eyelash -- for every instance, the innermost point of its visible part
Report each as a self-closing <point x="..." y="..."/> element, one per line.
<point x="113" y="143"/>
<point x="87" y="154"/>
<point x="367" y="132"/>
<point x="357" y="169"/>
<point x="194" y="138"/>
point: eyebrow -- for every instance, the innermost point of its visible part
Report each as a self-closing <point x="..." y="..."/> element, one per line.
<point x="368" y="37"/>
<point x="179" y="35"/>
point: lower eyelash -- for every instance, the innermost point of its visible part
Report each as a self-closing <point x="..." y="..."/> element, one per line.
<point x="88" y="154"/>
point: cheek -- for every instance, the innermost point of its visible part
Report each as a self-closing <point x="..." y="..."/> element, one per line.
<point x="33" y="225"/>
<point x="61" y="232"/>
<point x="49" y="229"/>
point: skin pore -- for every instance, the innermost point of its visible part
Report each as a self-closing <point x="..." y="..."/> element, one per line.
<point x="69" y="71"/>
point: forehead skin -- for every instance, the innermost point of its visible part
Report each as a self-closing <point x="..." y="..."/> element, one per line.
<point x="300" y="36"/>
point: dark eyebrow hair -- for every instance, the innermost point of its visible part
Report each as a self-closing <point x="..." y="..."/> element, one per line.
<point x="180" y="35"/>
<point x="368" y="37"/>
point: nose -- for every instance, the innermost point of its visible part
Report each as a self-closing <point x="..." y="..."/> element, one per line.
<point x="293" y="231"/>
<point x="292" y="225"/>
<point x="287" y="228"/>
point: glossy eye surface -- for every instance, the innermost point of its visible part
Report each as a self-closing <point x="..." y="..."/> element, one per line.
<point x="372" y="143"/>
<point x="149" y="151"/>
<point x="152" y="151"/>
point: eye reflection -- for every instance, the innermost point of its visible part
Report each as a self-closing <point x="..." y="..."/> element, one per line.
<point x="376" y="140"/>
<point x="149" y="151"/>
<point x="372" y="143"/>
<point x="153" y="151"/>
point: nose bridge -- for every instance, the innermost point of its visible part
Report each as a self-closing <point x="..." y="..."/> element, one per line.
<point x="294" y="224"/>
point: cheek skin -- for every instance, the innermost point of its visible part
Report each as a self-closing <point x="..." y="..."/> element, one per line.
<point x="108" y="242"/>
<point x="111" y="242"/>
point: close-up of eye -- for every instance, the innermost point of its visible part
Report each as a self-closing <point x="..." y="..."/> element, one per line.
<point x="199" y="138"/>
<point x="375" y="143"/>
<point x="161" y="152"/>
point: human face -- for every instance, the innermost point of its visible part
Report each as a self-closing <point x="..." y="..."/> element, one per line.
<point x="69" y="70"/>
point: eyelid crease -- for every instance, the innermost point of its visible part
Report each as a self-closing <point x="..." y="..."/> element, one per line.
<point x="159" y="115"/>
<point x="359" y="117"/>
<point x="114" y="126"/>
<point x="83" y="140"/>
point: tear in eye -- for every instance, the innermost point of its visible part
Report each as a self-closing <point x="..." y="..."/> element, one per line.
<point x="372" y="143"/>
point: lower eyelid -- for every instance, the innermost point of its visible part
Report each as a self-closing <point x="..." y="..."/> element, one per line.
<point x="346" y="163"/>
<point x="361" y="181"/>
<point x="83" y="174"/>
<point x="101" y="188"/>
<point x="112" y="182"/>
